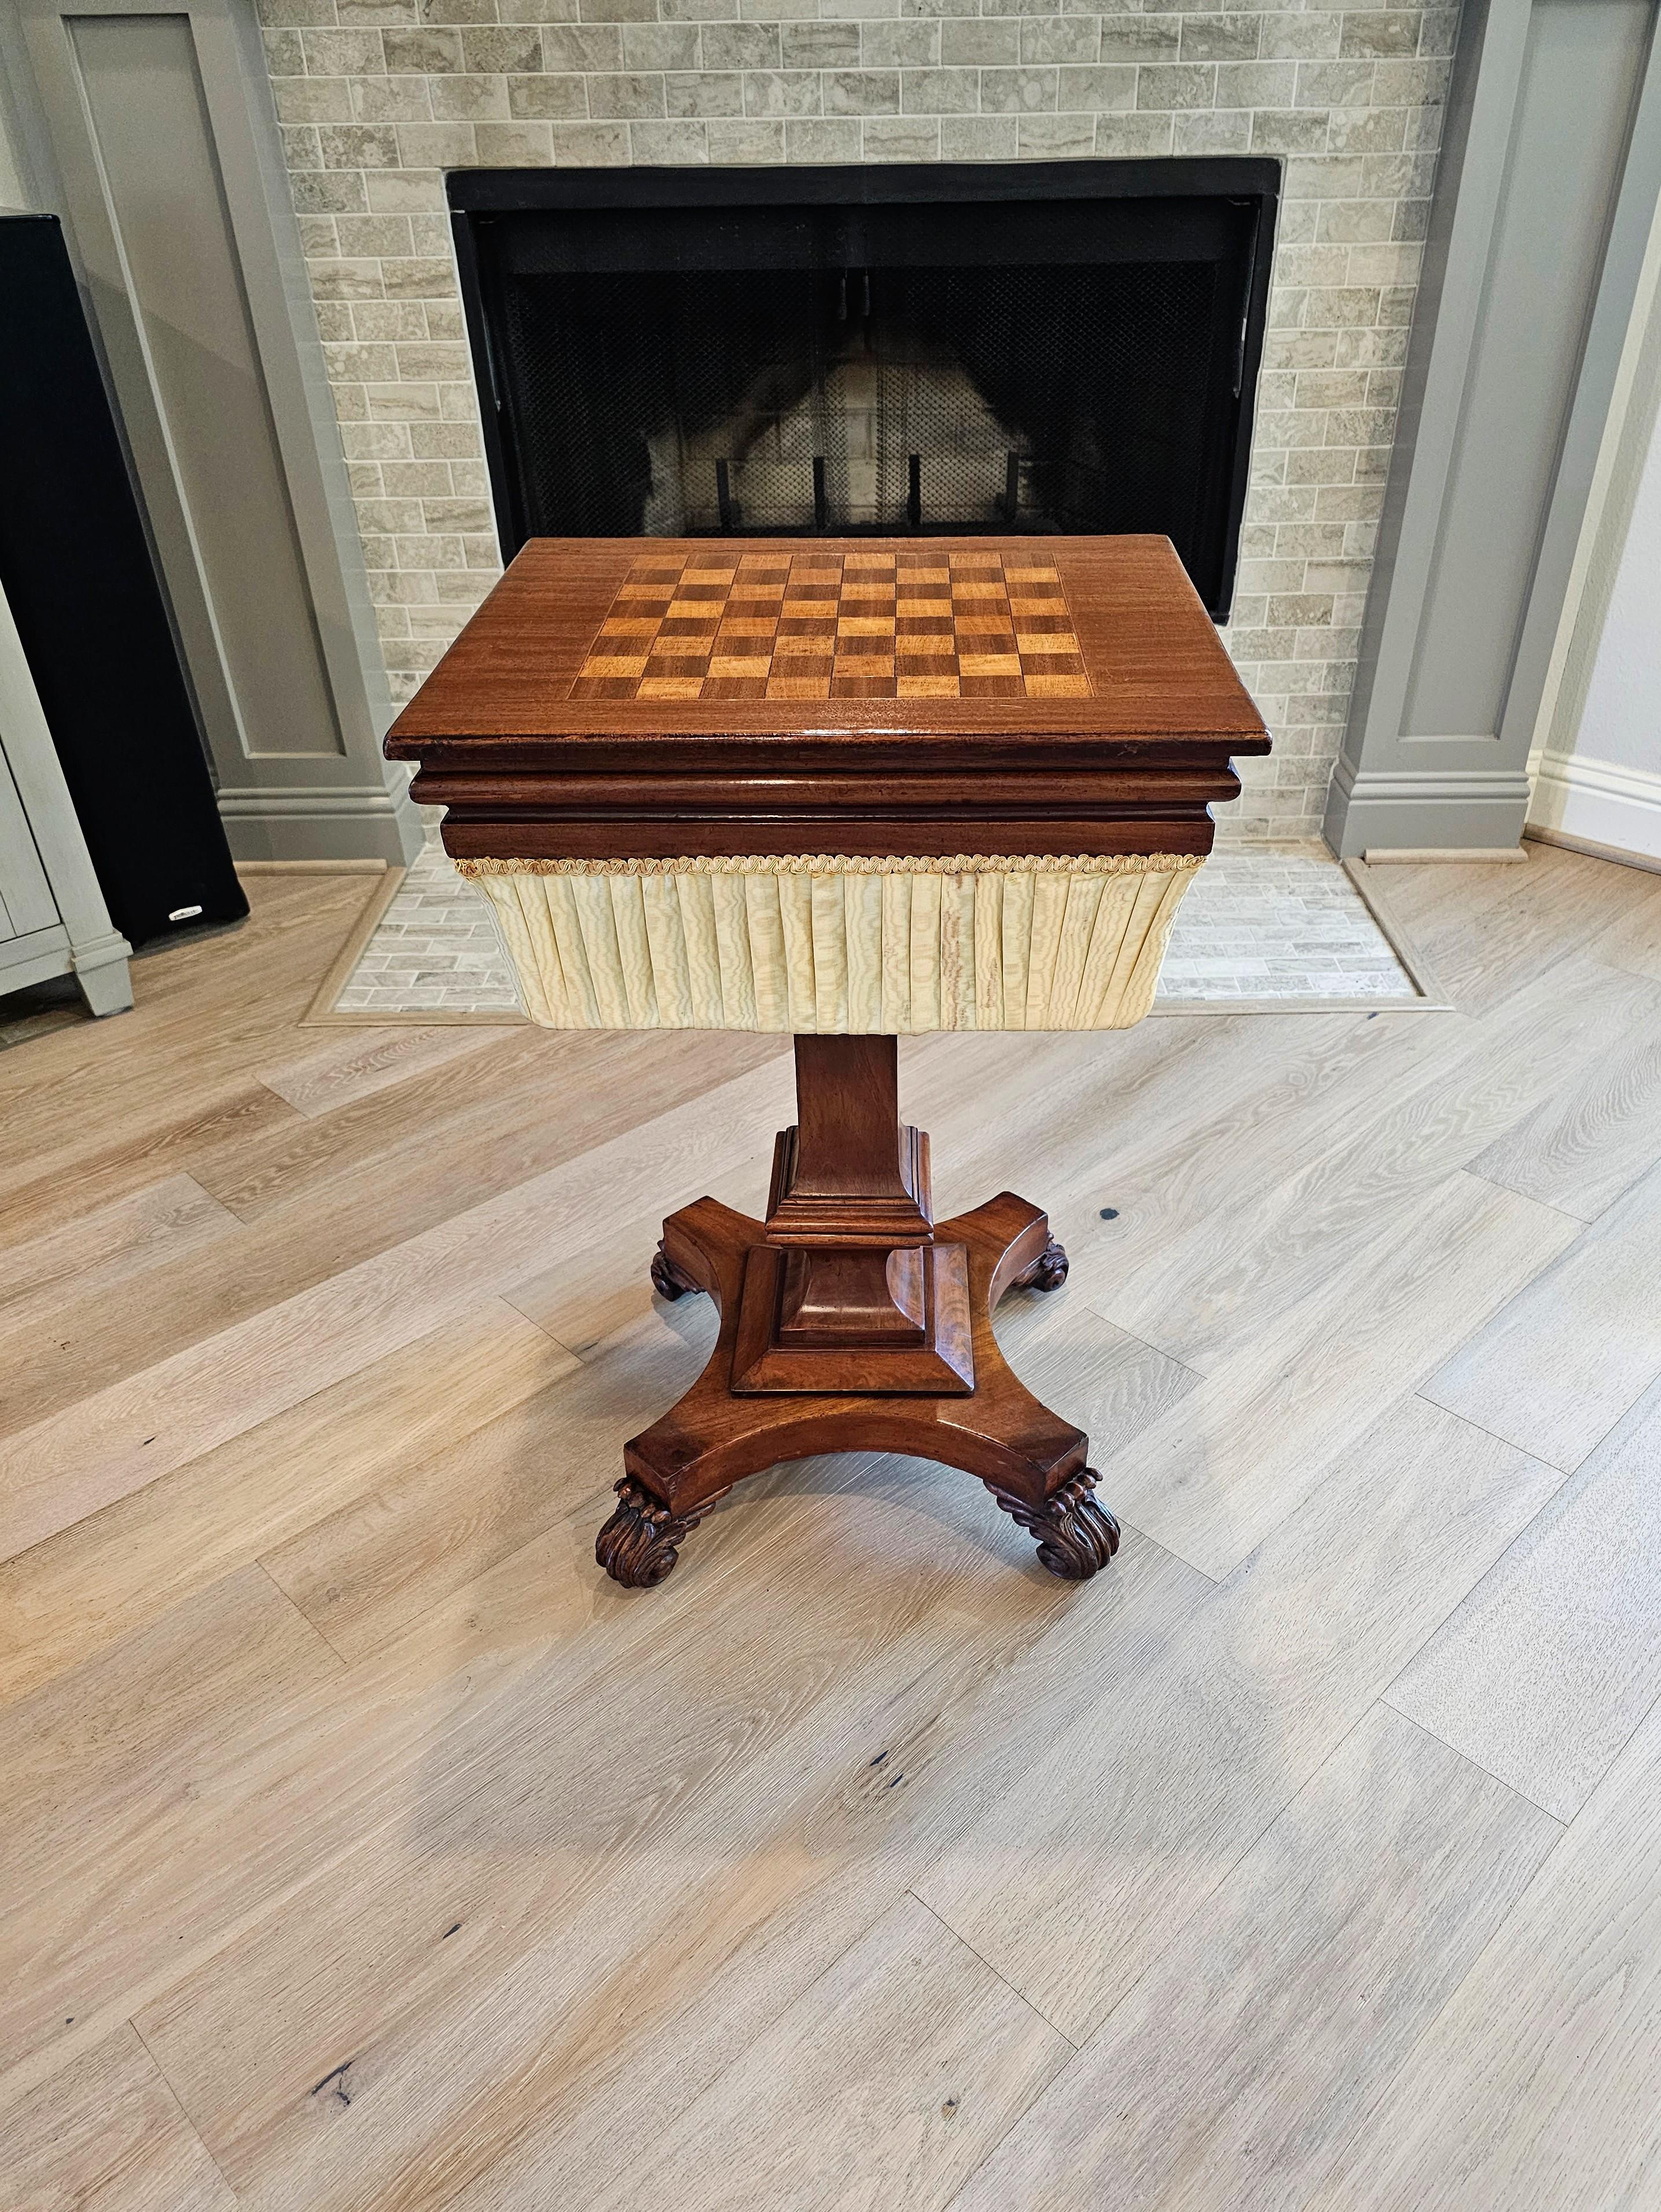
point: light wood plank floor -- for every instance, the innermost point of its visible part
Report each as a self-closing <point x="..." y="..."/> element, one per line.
<point x="363" y="1850"/>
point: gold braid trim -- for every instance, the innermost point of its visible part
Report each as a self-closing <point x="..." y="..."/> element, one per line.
<point x="843" y="864"/>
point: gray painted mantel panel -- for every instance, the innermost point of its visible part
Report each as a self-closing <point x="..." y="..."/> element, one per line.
<point x="1547" y="184"/>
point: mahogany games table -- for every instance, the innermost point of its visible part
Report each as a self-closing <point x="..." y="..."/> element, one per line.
<point x="852" y="789"/>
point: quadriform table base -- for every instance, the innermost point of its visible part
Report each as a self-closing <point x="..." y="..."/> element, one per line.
<point x="851" y="1322"/>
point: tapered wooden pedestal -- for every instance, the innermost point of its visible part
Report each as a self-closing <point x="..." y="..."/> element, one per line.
<point x="850" y="1320"/>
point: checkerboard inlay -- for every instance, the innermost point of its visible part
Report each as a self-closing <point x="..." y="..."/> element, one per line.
<point x="914" y="625"/>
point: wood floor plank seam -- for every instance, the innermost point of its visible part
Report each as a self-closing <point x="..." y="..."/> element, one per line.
<point x="1471" y="1757"/>
<point x="1381" y="2088"/>
<point x="513" y="1300"/>
<point x="1220" y="2082"/>
<point x="1459" y="1752"/>
<point x="185" y="2118"/>
<point x="1494" y="1183"/>
<point x="1019" y="1994"/>
<point x="317" y="1631"/>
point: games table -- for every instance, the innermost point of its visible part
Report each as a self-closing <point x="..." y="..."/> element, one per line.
<point x="851" y="789"/>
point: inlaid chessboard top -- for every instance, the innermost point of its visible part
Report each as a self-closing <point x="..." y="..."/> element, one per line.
<point x="719" y="623"/>
<point x="830" y="645"/>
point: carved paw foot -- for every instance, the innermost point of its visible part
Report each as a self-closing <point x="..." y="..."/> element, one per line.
<point x="1047" y="1273"/>
<point x="1076" y="1533"/>
<point x="640" y="1544"/>
<point x="666" y="1279"/>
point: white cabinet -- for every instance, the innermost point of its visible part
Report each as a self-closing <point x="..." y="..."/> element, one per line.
<point x="53" y="920"/>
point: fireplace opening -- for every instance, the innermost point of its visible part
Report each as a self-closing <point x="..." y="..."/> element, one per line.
<point x="1047" y="348"/>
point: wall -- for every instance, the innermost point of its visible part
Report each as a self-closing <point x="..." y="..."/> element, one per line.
<point x="377" y="97"/>
<point x="14" y="176"/>
<point x="1598" y="768"/>
<point x="1605" y="789"/>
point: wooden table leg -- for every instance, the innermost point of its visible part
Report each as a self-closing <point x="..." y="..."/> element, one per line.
<point x="850" y="1322"/>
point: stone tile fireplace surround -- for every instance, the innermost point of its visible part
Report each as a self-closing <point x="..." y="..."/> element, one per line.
<point x="377" y="98"/>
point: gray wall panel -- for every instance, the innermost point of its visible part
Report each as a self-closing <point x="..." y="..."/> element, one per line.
<point x="1581" y="69"/>
<point x="144" y="95"/>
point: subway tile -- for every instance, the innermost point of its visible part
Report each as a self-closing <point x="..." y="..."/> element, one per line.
<point x="1180" y="85"/>
<point x="391" y="98"/>
<point x="862" y="92"/>
<point x="313" y="99"/>
<point x="590" y="145"/>
<point x="1206" y="130"/>
<point x="1019" y="91"/>
<point x="901" y="138"/>
<point x="548" y="98"/>
<point x="622" y="97"/>
<point x="1256" y="84"/>
<point x="1139" y="138"/>
<point x="1388" y="32"/>
<point x="660" y="46"/>
<point x="1067" y="39"/>
<point x="747" y="142"/>
<point x="1209" y="38"/>
<point x="514" y="145"/>
<point x="1107" y="88"/>
<point x="990" y="42"/>
<point x="710" y="92"/>
<point x="580" y="47"/>
<point x="820" y="45"/>
<point x="939" y="91"/>
<point x="1333" y="84"/>
<point x="781" y="92"/>
<point x="899" y="45"/>
<point x="470" y="98"/>
<point x="1056" y="138"/>
<point x="509" y="52"/>
<point x="422" y="53"/>
<point x="820" y="139"/>
<point x="741" y="45"/>
<point x="1300" y="37"/>
<point x="1140" y="38"/>
<point x="978" y="138"/>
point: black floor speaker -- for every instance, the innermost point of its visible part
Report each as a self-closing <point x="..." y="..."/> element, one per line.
<point x="77" y="571"/>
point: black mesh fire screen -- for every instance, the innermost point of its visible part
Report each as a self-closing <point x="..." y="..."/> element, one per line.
<point x="1064" y="348"/>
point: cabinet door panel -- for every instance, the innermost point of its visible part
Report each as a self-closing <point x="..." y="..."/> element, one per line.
<point x="26" y="899"/>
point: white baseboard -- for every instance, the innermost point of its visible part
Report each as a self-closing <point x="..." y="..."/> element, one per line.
<point x="1599" y="803"/>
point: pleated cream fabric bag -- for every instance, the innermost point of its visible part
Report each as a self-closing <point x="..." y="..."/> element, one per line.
<point x="833" y="946"/>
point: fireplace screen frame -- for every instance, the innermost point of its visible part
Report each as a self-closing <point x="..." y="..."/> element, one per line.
<point x="478" y="196"/>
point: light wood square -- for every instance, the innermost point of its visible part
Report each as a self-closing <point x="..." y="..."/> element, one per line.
<point x="1058" y="687"/>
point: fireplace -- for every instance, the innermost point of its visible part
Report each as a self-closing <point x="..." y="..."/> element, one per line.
<point x="1048" y="348"/>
